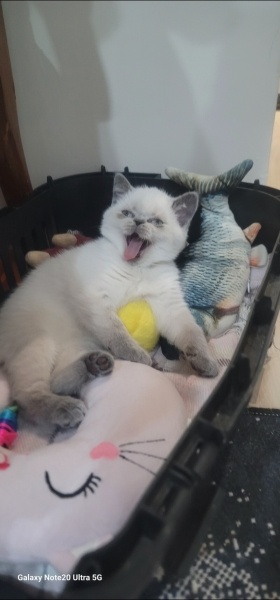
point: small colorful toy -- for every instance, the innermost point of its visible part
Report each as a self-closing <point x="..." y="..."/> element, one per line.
<point x="8" y="426"/>
<point x="139" y="320"/>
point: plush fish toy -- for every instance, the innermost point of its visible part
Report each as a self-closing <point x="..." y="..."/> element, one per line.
<point x="214" y="270"/>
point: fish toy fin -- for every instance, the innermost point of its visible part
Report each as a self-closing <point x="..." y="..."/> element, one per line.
<point x="252" y="231"/>
<point x="205" y="184"/>
<point x="259" y="256"/>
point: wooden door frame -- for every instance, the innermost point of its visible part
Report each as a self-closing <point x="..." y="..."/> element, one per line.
<point x="14" y="177"/>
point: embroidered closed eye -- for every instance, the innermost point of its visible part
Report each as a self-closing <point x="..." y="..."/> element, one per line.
<point x="128" y="213"/>
<point x="91" y="483"/>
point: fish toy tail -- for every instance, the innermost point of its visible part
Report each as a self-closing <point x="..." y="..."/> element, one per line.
<point x="205" y="184"/>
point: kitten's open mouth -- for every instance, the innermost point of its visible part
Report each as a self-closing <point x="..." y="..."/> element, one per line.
<point x="134" y="247"/>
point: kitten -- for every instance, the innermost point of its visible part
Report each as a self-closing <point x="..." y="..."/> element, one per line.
<point x="60" y="327"/>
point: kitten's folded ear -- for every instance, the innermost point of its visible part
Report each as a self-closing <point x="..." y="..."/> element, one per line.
<point x="185" y="206"/>
<point x="121" y="186"/>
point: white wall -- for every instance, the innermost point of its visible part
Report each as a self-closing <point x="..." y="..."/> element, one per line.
<point x="144" y="84"/>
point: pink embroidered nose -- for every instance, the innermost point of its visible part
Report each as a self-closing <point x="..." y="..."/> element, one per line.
<point x="105" y="450"/>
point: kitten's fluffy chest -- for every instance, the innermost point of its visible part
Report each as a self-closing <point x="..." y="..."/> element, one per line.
<point x="109" y="275"/>
<point x="132" y="282"/>
<point x="124" y="282"/>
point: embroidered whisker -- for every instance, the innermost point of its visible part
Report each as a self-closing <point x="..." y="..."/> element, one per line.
<point x="142" y="442"/>
<point x="135" y="463"/>
<point x="144" y="454"/>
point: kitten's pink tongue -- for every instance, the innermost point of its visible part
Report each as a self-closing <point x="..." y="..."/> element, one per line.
<point x="132" y="249"/>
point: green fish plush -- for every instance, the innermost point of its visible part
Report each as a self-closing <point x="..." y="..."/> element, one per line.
<point x="214" y="270"/>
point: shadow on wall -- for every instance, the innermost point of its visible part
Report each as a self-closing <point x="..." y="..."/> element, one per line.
<point x="200" y="38"/>
<point x="215" y="43"/>
<point x="125" y="83"/>
<point x="65" y="91"/>
<point x="196" y="42"/>
<point x="241" y="114"/>
<point x="167" y="96"/>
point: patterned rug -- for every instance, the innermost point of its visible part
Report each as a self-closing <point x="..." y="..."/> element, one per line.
<point x="240" y="554"/>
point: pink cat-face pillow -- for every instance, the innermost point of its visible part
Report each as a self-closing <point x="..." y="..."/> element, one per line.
<point x="78" y="492"/>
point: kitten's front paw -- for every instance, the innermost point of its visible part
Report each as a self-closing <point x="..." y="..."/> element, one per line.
<point x="68" y="412"/>
<point x="139" y="356"/>
<point x="208" y="369"/>
<point x="203" y="365"/>
<point x="130" y="351"/>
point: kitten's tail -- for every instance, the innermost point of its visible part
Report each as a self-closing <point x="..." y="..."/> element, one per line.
<point x="205" y="184"/>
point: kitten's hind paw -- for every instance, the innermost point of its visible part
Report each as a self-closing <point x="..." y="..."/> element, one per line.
<point x="68" y="412"/>
<point x="99" y="363"/>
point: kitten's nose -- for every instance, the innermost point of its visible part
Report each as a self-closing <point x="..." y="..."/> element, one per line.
<point x="137" y="222"/>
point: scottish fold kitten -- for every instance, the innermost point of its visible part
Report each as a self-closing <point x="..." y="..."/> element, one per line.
<point x="60" y="327"/>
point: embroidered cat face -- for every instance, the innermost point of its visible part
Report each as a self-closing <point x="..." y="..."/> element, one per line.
<point x="111" y="452"/>
<point x="128" y="451"/>
<point x="145" y="224"/>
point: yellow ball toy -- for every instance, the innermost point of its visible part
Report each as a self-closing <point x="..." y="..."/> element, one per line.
<point x="139" y="320"/>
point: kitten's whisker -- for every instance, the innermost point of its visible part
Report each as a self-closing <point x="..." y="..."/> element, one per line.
<point x="144" y="454"/>
<point x="142" y="442"/>
<point x="138" y="465"/>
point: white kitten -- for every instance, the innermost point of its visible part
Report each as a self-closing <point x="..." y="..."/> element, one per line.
<point x="58" y="328"/>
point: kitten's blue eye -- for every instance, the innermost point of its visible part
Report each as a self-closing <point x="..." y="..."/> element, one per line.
<point x="155" y="221"/>
<point x="127" y="213"/>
